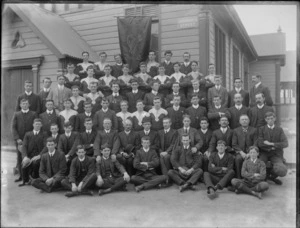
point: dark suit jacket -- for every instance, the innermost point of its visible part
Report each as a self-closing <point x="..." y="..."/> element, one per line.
<point x="148" y="100"/>
<point x="212" y="92"/>
<point x="167" y="141"/>
<point x="205" y="139"/>
<point x="47" y="120"/>
<point x="33" y="142"/>
<point x="276" y="136"/>
<point x="213" y="117"/>
<point x="100" y="116"/>
<point x="186" y="69"/>
<point x="150" y="157"/>
<point x="255" y="121"/>
<point x="202" y="96"/>
<point x="218" y="135"/>
<point x="34" y="102"/>
<point x="79" y="123"/>
<point x="169" y="98"/>
<point x="59" y="166"/>
<point x="114" y="102"/>
<point x="45" y="149"/>
<point x="43" y="97"/>
<point x="227" y="161"/>
<point x="125" y="140"/>
<point x="244" y="94"/>
<point x="65" y="145"/>
<point x="234" y="116"/>
<point x="116" y="70"/>
<point x="22" y="123"/>
<point x="189" y="160"/>
<point x="194" y="137"/>
<point x="176" y="117"/>
<point x="53" y="95"/>
<point x="196" y="115"/>
<point x="132" y="99"/>
<point x="169" y="68"/>
<point x="75" y="169"/>
<point x="242" y="141"/>
<point x="154" y="139"/>
<point x="103" y="138"/>
<point x="86" y="141"/>
<point x="117" y="170"/>
<point x="260" y="89"/>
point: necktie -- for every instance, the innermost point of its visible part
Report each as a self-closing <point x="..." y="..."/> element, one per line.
<point x="185" y="130"/>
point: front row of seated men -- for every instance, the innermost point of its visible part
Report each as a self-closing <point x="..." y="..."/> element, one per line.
<point x="185" y="164"/>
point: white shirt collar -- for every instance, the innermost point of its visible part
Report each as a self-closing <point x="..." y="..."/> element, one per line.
<point x="186" y="128"/>
<point x="223" y="129"/>
<point x="221" y="156"/>
<point x="60" y="86"/>
<point x="127" y="132"/>
<point x="257" y="84"/>
<point x="204" y="131"/>
<point x="35" y="132"/>
<point x="271" y="127"/>
<point x="104" y="110"/>
<point x="51" y="154"/>
<point x="88" y="114"/>
<point x="147" y="132"/>
<point x="135" y="91"/>
<point x="167" y="62"/>
<point x="105" y="158"/>
<point x="186" y="147"/>
<point x="28" y="94"/>
<point x="46" y="90"/>
<point x="88" y="131"/>
<point x="176" y="108"/>
<point x="146" y="150"/>
<point x="175" y="94"/>
<point x="25" y="111"/>
<point x="81" y="159"/>
<point x="195" y="106"/>
<point x="238" y="106"/>
<point x="186" y="63"/>
<point x="167" y="131"/>
<point x="254" y="160"/>
<point x="196" y="91"/>
<point x="54" y="136"/>
<point x="154" y="92"/>
<point x="106" y="131"/>
<point x="115" y="94"/>
<point x="49" y="112"/>
<point x="68" y="135"/>
<point x="260" y="106"/>
<point x="218" y="86"/>
<point x="217" y="107"/>
<point x="238" y="89"/>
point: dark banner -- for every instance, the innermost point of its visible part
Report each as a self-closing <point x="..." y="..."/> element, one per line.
<point x="134" y="36"/>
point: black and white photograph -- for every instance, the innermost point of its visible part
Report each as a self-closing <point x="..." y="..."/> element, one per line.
<point x="150" y="114"/>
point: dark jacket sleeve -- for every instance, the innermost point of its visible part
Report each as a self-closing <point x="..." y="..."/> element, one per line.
<point x="213" y="170"/>
<point x="283" y="143"/>
<point x="15" y="127"/>
<point x="137" y="162"/>
<point x="62" y="167"/>
<point x="72" y="175"/>
<point x="25" y="145"/>
<point x="154" y="160"/>
<point x="119" y="167"/>
<point x="43" y="168"/>
<point x="91" y="169"/>
<point x="175" y="158"/>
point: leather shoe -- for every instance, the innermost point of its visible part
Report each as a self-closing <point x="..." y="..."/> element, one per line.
<point x="183" y="187"/>
<point x="139" y="188"/>
<point x="193" y="187"/>
<point x="258" y="195"/>
<point x="86" y="193"/>
<point x="218" y="187"/>
<point x="71" y="194"/>
<point x="166" y="185"/>
<point x="275" y="180"/>
<point x="23" y="184"/>
<point x="211" y="193"/>
<point x="231" y="188"/>
<point x="18" y="180"/>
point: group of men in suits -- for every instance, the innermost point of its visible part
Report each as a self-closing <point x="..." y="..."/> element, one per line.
<point x="198" y="132"/>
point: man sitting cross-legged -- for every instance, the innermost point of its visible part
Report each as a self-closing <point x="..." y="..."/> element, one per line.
<point x="111" y="175"/>
<point x="187" y="165"/>
<point x="82" y="174"/>
<point x="254" y="174"/>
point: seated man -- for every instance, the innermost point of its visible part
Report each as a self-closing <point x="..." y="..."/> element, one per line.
<point x="153" y="135"/>
<point x="127" y="144"/>
<point x="82" y="174"/>
<point x="33" y="144"/>
<point x="115" y="98"/>
<point x="187" y="165"/>
<point x="49" y="117"/>
<point x="111" y="175"/>
<point x="215" y="113"/>
<point x="135" y="95"/>
<point x="145" y="161"/>
<point x="103" y="113"/>
<point x="176" y="113"/>
<point x="271" y="141"/>
<point x="195" y="111"/>
<point x="254" y="174"/>
<point x="149" y="97"/>
<point x="157" y="113"/>
<point x="220" y="170"/>
<point x="243" y="137"/>
<point x="52" y="170"/>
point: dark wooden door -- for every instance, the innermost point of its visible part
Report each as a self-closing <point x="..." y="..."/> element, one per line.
<point x="12" y="85"/>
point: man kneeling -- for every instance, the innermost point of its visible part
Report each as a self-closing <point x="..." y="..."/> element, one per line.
<point x="254" y="174"/>
<point x="109" y="173"/>
<point x="82" y="174"/>
<point x="145" y="161"/>
<point x="187" y="165"/>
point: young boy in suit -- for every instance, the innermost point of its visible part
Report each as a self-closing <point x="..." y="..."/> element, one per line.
<point x="149" y="97"/>
<point x="105" y="81"/>
<point x="157" y="113"/>
<point x="82" y="174"/>
<point x="103" y="113"/>
<point x="117" y="68"/>
<point x="186" y="67"/>
<point x="168" y="65"/>
<point x="33" y="99"/>
<point x="220" y="170"/>
<point x="196" y="111"/>
<point x="217" y="90"/>
<point x="153" y="135"/>
<point x="33" y="144"/>
<point x="52" y="170"/>
<point x="71" y="78"/>
<point x="145" y="161"/>
<point x="254" y="174"/>
<point x="175" y="92"/>
<point x="205" y="136"/>
<point x="95" y="97"/>
<point x="143" y="78"/>
<point x="80" y="118"/>
<point x="215" y="113"/>
<point x="187" y="165"/>
<point x="115" y="98"/>
<point x="43" y="94"/>
<point x="76" y="99"/>
<point x="176" y="113"/>
<point x="271" y="142"/>
<point x="54" y="134"/>
<point x="152" y="65"/>
<point x="134" y="95"/>
<point x="111" y="175"/>
<point x="238" y="90"/>
<point x="49" y="117"/>
<point x="22" y="122"/>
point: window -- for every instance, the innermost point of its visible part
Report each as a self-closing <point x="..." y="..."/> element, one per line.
<point x="236" y="62"/>
<point x="288" y="93"/>
<point x="148" y="10"/>
<point x="220" y="54"/>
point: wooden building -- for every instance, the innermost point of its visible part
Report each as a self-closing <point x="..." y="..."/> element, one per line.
<point x="54" y="34"/>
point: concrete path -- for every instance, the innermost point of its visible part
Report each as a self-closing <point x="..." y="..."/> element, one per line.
<point x="28" y="207"/>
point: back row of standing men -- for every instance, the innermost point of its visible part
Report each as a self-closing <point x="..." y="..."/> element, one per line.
<point x="123" y="96"/>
